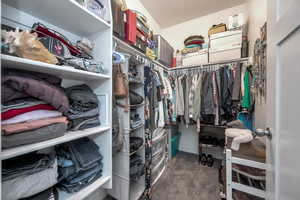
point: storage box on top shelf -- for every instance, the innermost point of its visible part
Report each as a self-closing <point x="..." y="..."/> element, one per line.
<point x="130" y="27"/>
<point x="227" y="46"/>
<point x="164" y="51"/>
<point x="195" y="59"/>
<point x="227" y="39"/>
<point x="118" y="19"/>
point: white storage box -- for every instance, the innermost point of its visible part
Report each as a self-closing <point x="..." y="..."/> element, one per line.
<point x="228" y="39"/>
<point x="224" y="54"/>
<point x="195" y="59"/>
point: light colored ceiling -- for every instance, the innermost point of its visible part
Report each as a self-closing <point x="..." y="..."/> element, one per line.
<point x="172" y="12"/>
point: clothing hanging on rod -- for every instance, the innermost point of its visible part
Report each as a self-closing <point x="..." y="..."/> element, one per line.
<point x="214" y="94"/>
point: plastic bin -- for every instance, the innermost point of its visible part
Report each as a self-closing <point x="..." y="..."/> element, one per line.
<point x="175" y="144"/>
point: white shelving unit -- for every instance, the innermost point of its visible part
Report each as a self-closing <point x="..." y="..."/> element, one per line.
<point x="123" y="187"/>
<point x="73" y="21"/>
<point x="231" y="185"/>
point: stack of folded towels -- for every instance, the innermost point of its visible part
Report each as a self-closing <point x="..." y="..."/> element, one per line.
<point x="79" y="164"/>
<point x="33" y="105"/>
<point x="84" y="107"/>
<point x="193" y="44"/>
<point x="28" y="175"/>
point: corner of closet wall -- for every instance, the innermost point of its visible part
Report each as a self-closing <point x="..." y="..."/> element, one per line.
<point x="176" y="34"/>
<point x="257" y="16"/>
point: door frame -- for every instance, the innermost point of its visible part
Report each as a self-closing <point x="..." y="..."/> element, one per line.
<point x="276" y="36"/>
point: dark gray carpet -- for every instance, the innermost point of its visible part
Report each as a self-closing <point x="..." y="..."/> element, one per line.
<point x="185" y="179"/>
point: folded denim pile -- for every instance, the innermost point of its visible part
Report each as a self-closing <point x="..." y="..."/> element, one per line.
<point x="33" y="105"/>
<point x="135" y="120"/>
<point x="84" y="107"/>
<point x="135" y="143"/>
<point x="28" y="175"/>
<point x="79" y="164"/>
<point x="137" y="168"/>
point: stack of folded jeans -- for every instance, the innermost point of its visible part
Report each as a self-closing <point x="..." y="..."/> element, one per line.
<point x="79" y="164"/>
<point x="32" y="108"/>
<point x="28" y="175"/>
<point x="135" y="120"/>
<point x="137" y="168"/>
<point x="135" y="143"/>
<point x="84" y="107"/>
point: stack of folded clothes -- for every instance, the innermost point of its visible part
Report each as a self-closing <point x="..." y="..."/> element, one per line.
<point x="137" y="168"/>
<point x="135" y="120"/>
<point x="84" y="107"/>
<point x="79" y="164"/>
<point x="193" y="44"/>
<point x="28" y="175"/>
<point x="33" y="105"/>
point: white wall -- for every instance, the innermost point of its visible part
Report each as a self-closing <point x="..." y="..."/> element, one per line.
<point x="175" y="35"/>
<point x="137" y="5"/>
<point x="257" y="18"/>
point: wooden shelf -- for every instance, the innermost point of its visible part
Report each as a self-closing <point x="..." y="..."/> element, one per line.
<point x="69" y="136"/>
<point x="60" y="71"/>
<point x="85" y="192"/>
<point x="66" y="14"/>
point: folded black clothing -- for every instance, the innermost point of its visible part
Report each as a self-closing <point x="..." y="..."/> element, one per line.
<point x="137" y="168"/>
<point x="135" y="143"/>
<point x="82" y="99"/>
<point x="135" y="98"/>
<point x="49" y="194"/>
<point x="84" y="123"/>
<point x="84" y="107"/>
<point x="18" y="84"/>
<point x="26" y="165"/>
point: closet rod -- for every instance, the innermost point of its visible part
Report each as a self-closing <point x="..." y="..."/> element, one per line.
<point x="132" y="50"/>
<point x="210" y="64"/>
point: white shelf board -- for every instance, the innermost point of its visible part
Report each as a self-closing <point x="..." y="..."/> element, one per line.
<point x="136" y="190"/>
<point x="66" y="14"/>
<point x="61" y="71"/>
<point x="85" y="192"/>
<point x="69" y="136"/>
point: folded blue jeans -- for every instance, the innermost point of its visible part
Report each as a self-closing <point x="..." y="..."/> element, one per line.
<point x="82" y="179"/>
<point x="26" y="165"/>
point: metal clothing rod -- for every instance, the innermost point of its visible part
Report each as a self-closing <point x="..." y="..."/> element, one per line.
<point x="211" y="64"/>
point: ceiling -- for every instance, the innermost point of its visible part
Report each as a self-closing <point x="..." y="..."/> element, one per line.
<point x="172" y="12"/>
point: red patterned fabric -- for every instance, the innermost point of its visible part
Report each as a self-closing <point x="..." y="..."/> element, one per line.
<point x="14" y="112"/>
